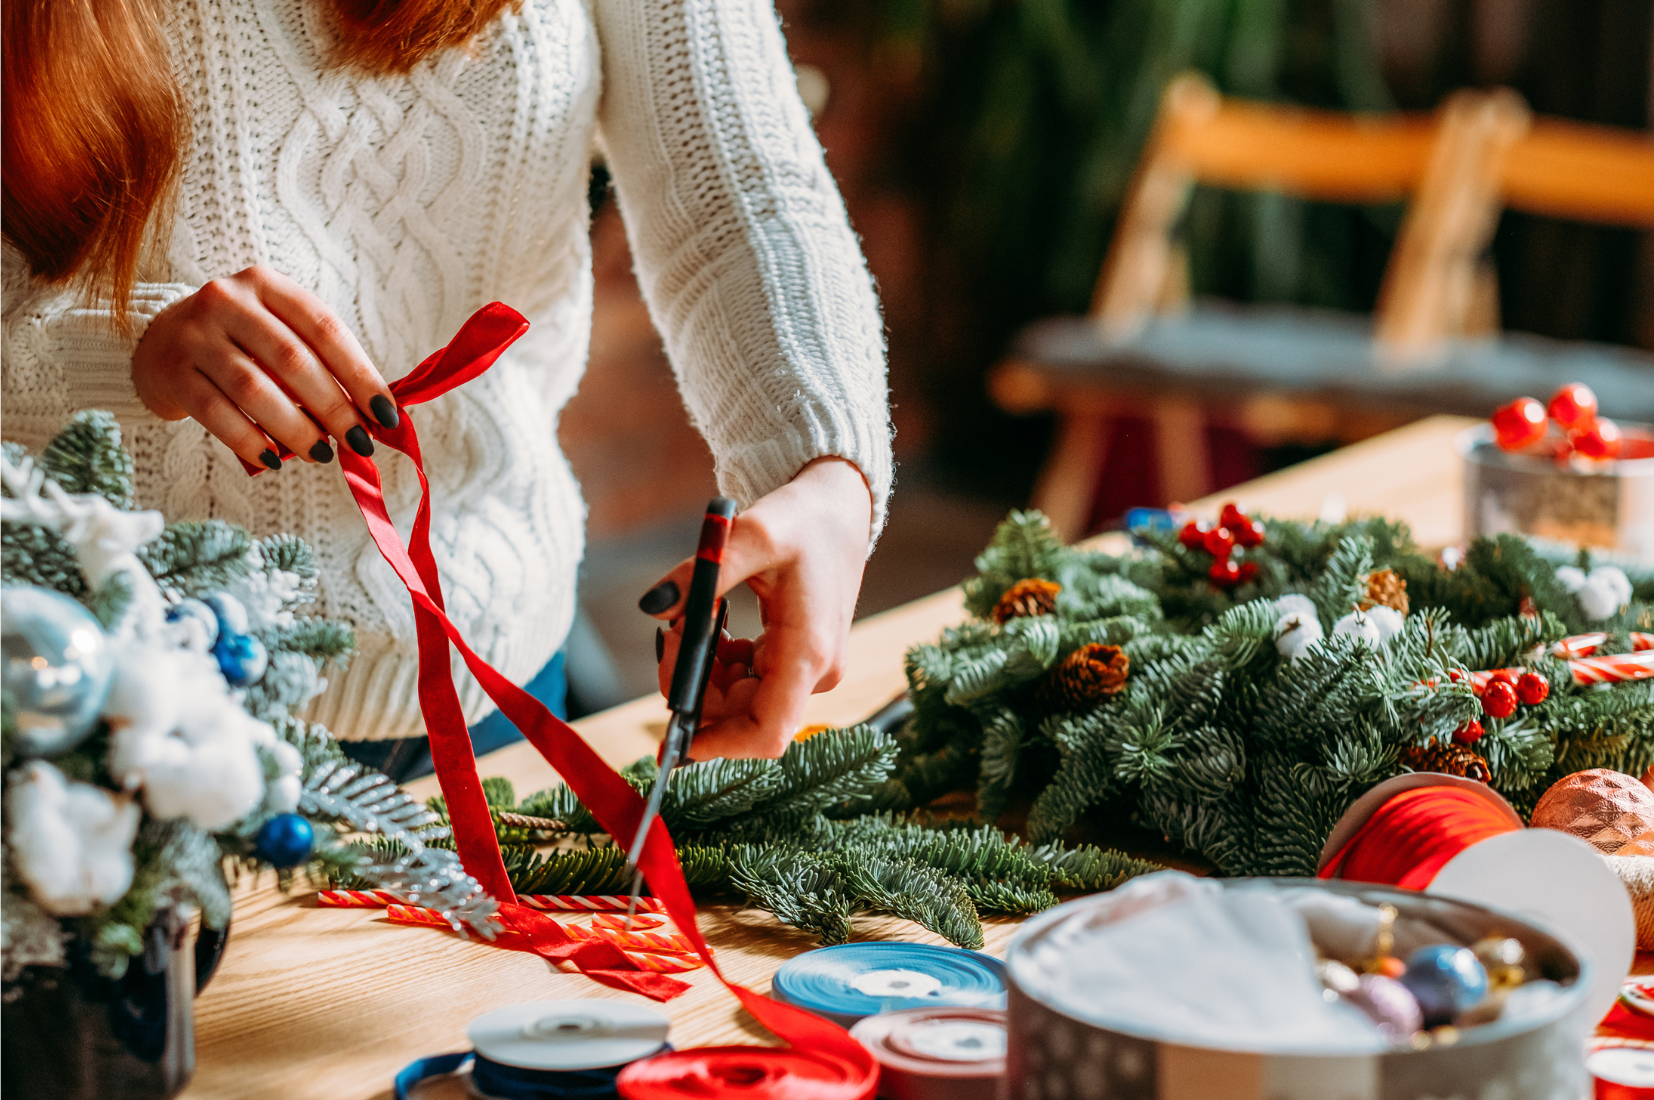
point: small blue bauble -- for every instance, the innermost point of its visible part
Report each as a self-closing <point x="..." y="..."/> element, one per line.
<point x="285" y="840"/>
<point x="242" y="658"/>
<point x="1446" y="980"/>
<point x="58" y="669"/>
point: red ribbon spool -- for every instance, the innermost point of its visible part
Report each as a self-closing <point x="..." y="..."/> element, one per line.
<point x="826" y="1063"/>
<point x="1414" y="834"/>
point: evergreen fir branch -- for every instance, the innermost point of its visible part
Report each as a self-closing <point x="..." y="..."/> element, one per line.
<point x="570" y="871"/>
<point x="802" y="889"/>
<point x="197" y="557"/>
<point x="499" y="793"/>
<point x="319" y="639"/>
<point x="974" y="679"/>
<point x="290" y="554"/>
<point x="1342" y="584"/>
<point x="997" y="761"/>
<point x="1244" y="637"/>
<point x="290" y="681"/>
<point x="824" y="771"/>
<point x="1517" y="753"/>
<point x="31" y="554"/>
<point x="704" y="793"/>
<point x="87" y="457"/>
<point x="913" y="892"/>
<point x="1088" y="869"/>
<point x="1024" y="547"/>
<point x="560" y="804"/>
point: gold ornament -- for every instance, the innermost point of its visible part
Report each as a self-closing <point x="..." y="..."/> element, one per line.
<point x="1385" y="588"/>
<point x="1449" y="759"/>
<point x="1083" y="679"/>
<point x="1025" y="599"/>
<point x="1610" y="810"/>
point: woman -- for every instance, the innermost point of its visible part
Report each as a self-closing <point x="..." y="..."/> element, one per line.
<point x="217" y="211"/>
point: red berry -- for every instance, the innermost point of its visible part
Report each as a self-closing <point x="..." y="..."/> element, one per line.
<point x="1231" y="517"/>
<point x="1224" y="572"/>
<point x="1248" y="571"/>
<point x="1219" y="542"/>
<point x="1249" y="533"/>
<point x="1532" y="689"/>
<point x="1501" y="676"/>
<point x="1457" y="674"/>
<point x="1468" y="733"/>
<point x="1573" y="406"/>
<point x="1518" y="424"/>
<point x="1499" y="700"/>
<point x="1598" y="439"/>
<point x="1192" y="536"/>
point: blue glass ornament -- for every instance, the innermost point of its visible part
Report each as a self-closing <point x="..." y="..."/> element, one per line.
<point x="242" y="658"/>
<point x="58" y="669"/>
<point x="285" y="840"/>
<point x="232" y="616"/>
<point x="1446" y="980"/>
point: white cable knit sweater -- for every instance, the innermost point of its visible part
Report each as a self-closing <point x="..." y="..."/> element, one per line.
<point x="406" y="203"/>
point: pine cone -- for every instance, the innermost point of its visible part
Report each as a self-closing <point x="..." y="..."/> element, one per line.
<point x="1083" y="679"/>
<point x="1026" y="598"/>
<point x="1387" y="588"/>
<point x="1450" y="759"/>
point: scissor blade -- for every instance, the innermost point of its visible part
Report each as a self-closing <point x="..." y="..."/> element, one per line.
<point x="672" y="750"/>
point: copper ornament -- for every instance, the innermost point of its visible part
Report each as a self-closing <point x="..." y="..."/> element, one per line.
<point x="1610" y="810"/>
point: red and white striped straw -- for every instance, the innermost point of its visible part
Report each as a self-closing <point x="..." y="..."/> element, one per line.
<point x="1584" y="645"/>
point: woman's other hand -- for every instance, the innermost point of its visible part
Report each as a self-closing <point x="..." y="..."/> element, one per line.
<point x="243" y="353"/>
<point x="801" y="549"/>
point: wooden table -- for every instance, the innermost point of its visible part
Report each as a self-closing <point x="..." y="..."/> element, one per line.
<point x="332" y="1002"/>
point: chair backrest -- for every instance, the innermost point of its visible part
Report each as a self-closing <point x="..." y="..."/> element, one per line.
<point x="1456" y="168"/>
<point x="1200" y="137"/>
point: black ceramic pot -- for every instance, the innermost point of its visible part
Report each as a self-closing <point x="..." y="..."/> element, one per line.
<point x="72" y="1034"/>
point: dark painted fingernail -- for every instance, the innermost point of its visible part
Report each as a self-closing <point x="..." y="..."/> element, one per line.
<point x="270" y="459"/>
<point x="660" y="644"/>
<point x="359" y="442"/>
<point x="384" y="410"/>
<point x="321" y="452"/>
<point x="659" y="598"/>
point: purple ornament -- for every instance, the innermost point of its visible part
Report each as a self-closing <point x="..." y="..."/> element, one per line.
<point x="1390" y="1005"/>
<point x="1446" y="980"/>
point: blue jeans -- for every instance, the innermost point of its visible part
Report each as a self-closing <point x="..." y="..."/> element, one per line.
<point x="410" y="757"/>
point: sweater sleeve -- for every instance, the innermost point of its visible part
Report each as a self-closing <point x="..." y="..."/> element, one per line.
<point x="744" y="252"/>
<point x="59" y="355"/>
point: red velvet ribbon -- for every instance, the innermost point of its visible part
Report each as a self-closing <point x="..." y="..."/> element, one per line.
<point x="1414" y="834"/>
<point x="612" y="801"/>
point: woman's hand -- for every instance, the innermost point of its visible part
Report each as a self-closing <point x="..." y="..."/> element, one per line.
<point x="801" y="549"/>
<point x="242" y="354"/>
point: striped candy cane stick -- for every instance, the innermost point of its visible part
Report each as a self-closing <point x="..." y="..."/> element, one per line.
<point x="641" y="922"/>
<point x="1584" y="645"/>
<point x="1617" y="669"/>
<point x="589" y="903"/>
<point x="354" y="899"/>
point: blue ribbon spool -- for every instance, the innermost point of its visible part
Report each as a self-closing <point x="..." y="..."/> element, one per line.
<point x="548" y="1050"/>
<point x="852" y="981"/>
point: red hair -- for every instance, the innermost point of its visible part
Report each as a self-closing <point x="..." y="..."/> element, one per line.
<point x="94" y="123"/>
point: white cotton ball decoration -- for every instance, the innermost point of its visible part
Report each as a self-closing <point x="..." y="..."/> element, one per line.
<point x="71" y="842"/>
<point x="1296" y="634"/>
<point x="281" y="796"/>
<point x="1598" y="600"/>
<point x="1571" y="577"/>
<point x="213" y="783"/>
<point x="1296" y="603"/>
<point x="1376" y="625"/>
<point x="1614" y="580"/>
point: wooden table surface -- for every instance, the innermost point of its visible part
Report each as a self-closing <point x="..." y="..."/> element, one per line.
<point x="330" y="1003"/>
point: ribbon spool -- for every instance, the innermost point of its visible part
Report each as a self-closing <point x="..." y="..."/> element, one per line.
<point x="726" y="1073"/>
<point x="1460" y="839"/>
<point x="852" y="981"/>
<point x="937" y="1053"/>
<point x="548" y="1050"/>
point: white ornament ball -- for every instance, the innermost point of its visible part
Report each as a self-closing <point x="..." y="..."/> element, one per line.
<point x="1296" y="603"/>
<point x="193" y="625"/>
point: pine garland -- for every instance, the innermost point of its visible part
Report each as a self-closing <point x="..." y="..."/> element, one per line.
<point x="1217" y="741"/>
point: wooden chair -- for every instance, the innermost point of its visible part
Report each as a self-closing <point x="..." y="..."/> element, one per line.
<point x="1286" y="371"/>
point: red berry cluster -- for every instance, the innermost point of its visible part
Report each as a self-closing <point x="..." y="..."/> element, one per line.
<point x="1500" y="697"/>
<point x="1235" y="528"/>
<point x="1573" y="408"/>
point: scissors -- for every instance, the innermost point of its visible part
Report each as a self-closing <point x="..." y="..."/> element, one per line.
<point x="704" y="615"/>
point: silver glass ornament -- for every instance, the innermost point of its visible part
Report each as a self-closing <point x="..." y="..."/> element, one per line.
<point x="57" y="669"/>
